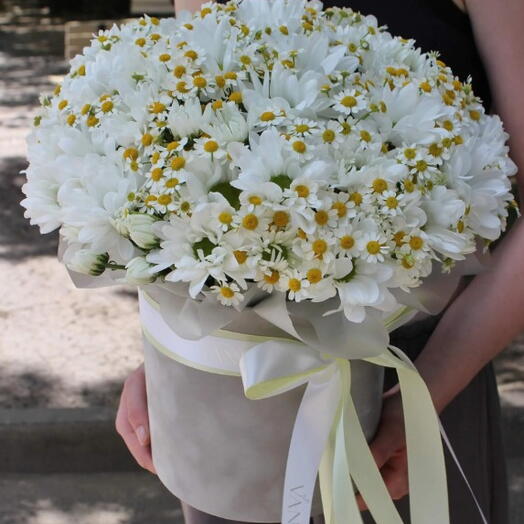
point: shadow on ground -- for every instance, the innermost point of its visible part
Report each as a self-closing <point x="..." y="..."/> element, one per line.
<point x="18" y="239"/>
<point x="105" y="498"/>
<point x="33" y="389"/>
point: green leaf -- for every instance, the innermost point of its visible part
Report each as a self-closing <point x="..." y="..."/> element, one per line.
<point x="230" y="193"/>
<point x="205" y="245"/>
<point x="284" y="181"/>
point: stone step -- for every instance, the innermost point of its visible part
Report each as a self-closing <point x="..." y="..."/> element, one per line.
<point x="96" y="498"/>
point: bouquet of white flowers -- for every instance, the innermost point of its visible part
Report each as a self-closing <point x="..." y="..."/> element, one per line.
<point x="267" y="148"/>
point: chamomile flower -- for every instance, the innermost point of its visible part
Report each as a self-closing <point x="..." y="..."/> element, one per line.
<point x="228" y="294"/>
<point x="349" y="102"/>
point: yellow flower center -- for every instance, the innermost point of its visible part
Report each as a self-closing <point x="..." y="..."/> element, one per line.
<point x="179" y="71"/>
<point x="235" y="96"/>
<point x="365" y="135"/>
<point x="255" y="200"/>
<point x="373" y="247"/>
<point x="225" y="217"/>
<point x="321" y="217"/>
<point x="356" y="197"/>
<point x="157" y="107"/>
<point x="340" y="208"/>
<point x="273" y="277"/>
<point x="147" y="139"/>
<point x="409" y="186"/>
<point x="150" y="199"/>
<point x="178" y="163"/>
<point x="294" y="284"/>
<point x="448" y="125"/>
<point x="172" y="182"/>
<point x="164" y="57"/>
<point x="460" y="226"/>
<point x="230" y="75"/>
<point x="302" y="128"/>
<point x="191" y="54"/>
<point x="299" y="146"/>
<point x="217" y="104"/>
<point x="157" y="174"/>
<point x="211" y="146"/>
<point x="346" y="128"/>
<point x="250" y="221"/>
<point x="379" y="185"/>
<point x="416" y="243"/>
<point x="267" y="116"/>
<point x="71" y="119"/>
<point x="181" y="87"/>
<point x="302" y="190"/>
<point x="280" y="219"/>
<point x="164" y="200"/>
<point x="474" y="114"/>
<point x="421" y="165"/>
<point x="435" y="150"/>
<point x="314" y="275"/>
<point x="328" y="136"/>
<point x="227" y="292"/>
<point x="348" y="101"/>
<point x="200" y="82"/>
<point x="220" y="81"/>
<point x="85" y="109"/>
<point x="141" y="42"/>
<point x="392" y="202"/>
<point x="62" y="104"/>
<point x="173" y="145"/>
<point x="92" y="121"/>
<point x="319" y="247"/>
<point x="398" y="238"/>
<point x="241" y="256"/>
<point x="155" y="157"/>
<point x="131" y="153"/>
<point x="410" y="153"/>
<point x="347" y="242"/>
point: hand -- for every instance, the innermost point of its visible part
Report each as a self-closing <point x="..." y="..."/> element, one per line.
<point x="132" y="421"/>
<point x="389" y="448"/>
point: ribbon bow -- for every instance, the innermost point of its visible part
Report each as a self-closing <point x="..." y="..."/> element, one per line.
<point x="327" y="436"/>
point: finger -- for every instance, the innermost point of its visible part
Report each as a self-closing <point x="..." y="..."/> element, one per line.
<point x="392" y="391"/>
<point x="142" y="454"/>
<point x="135" y="397"/>
<point x="395" y="475"/>
<point x="382" y="447"/>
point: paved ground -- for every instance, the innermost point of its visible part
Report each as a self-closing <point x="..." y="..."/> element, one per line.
<point x="63" y="347"/>
<point x="60" y="346"/>
<point x="102" y="498"/>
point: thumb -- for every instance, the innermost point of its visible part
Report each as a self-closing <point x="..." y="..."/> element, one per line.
<point x="136" y="401"/>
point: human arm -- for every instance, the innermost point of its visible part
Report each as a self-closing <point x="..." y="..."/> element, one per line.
<point x="488" y="313"/>
<point x="187" y="5"/>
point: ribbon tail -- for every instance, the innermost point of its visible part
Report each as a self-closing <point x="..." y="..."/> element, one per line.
<point x="344" y="501"/>
<point x="310" y="434"/>
<point x="426" y="467"/>
<point x="364" y="470"/>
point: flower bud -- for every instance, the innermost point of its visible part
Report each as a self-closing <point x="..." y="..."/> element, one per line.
<point x="139" y="271"/>
<point x="88" y="262"/>
<point x="140" y="231"/>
